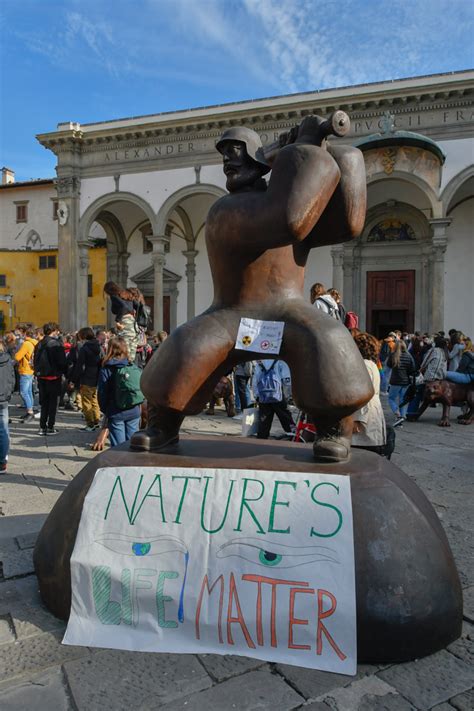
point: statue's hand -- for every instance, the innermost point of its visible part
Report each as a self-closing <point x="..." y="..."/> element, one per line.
<point x="310" y="130"/>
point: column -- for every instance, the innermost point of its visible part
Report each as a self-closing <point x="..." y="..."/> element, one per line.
<point x="439" y="241"/>
<point x="72" y="278"/>
<point x="122" y="268"/>
<point x="190" y="255"/>
<point x="82" y="284"/>
<point x="337" y="254"/>
<point x="158" y="260"/>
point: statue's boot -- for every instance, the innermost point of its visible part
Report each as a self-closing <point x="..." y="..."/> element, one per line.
<point x="332" y="443"/>
<point x="161" y="431"/>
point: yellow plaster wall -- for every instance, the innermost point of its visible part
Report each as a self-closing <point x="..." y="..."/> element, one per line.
<point x="35" y="290"/>
<point x="96" y="303"/>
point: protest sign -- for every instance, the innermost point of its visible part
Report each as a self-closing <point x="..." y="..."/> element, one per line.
<point x="224" y="561"/>
<point x="260" y="336"/>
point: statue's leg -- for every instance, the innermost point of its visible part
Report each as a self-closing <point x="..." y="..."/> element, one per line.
<point x="180" y="378"/>
<point x="329" y="377"/>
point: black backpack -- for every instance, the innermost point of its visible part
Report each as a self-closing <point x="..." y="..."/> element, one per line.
<point x="43" y="367"/>
<point x="143" y="315"/>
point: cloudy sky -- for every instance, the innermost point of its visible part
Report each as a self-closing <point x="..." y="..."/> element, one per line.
<point x="91" y="60"/>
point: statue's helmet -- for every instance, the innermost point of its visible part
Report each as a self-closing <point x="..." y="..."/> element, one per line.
<point x="252" y="143"/>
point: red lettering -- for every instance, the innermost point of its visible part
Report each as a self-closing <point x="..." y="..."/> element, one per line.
<point x="240" y="618"/>
<point x="205" y="583"/>
<point x="259" y="579"/>
<point x="321" y="628"/>
<point x="295" y="620"/>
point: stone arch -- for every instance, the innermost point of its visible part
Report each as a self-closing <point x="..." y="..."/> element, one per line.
<point x="427" y="190"/>
<point x="361" y="259"/>
<point x="173" y="200"/>
<point x="101" y="203"/>
<point x="113" y="229"/>
<point x="411" y="214"/>
<point x="33" y="240"/>
<point x="456" y="182"/>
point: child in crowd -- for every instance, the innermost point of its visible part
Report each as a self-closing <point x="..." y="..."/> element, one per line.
<point x="121" y="422"/>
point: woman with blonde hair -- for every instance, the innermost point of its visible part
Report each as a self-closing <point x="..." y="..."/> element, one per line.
<point x="403" y="370"/>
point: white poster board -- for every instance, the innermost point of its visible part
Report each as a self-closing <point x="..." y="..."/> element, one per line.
<point x="260" y="336"/>
<point x="224" y="561"/>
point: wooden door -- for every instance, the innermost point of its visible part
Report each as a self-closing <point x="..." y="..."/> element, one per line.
<point x="390" y="302"/>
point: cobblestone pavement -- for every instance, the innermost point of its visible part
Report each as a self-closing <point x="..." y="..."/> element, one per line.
<point x="37" y="672"/>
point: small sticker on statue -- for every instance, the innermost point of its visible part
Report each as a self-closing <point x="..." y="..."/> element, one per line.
<point x="260" y="336"/>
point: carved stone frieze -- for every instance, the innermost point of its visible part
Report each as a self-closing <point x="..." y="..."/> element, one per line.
<point x="68" y="186"/>
<point x="434" y="106"/>
<point x="407" y="159"/>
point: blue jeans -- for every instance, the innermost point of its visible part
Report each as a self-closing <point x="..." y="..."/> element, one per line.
<point x="395" y="397"/>
<point x="120" y="431"/>
<point x="414" y="405"/>
<point x="385" y="378"/>
<point x="4" y="434"/>
<point x="455" y="377"/>
<point x="26" y="391"/>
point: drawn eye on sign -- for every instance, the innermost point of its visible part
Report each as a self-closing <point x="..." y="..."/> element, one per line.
<point x="272" y="555"/>
<point x="128" y="545"/>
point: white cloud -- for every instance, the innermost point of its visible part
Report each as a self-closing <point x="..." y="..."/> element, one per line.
<point x="276" y="46"/>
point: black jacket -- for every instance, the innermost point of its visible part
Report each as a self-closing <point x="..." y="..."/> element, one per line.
<point x="86" y="371"/>
<point x="466" y="364"/>
<point x="7" y="378"/>
<point x="56" y="357"/>
<point x="401" y="373"/>
<point x="120" y="307"/>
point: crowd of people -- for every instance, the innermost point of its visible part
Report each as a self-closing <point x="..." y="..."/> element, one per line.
<point x="98" y="372"/>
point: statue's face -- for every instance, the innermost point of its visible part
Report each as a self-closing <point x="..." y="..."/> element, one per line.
<point x="241" y="171"/>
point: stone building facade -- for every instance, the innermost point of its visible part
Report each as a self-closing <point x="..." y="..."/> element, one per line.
<point x="145" y="185"/>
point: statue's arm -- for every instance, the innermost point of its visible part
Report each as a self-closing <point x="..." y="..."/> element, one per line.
<point x="303" y="179"/>
<point x="344" y="216"/>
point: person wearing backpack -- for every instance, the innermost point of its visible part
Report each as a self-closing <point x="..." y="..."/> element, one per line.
<point x="268" y="388"/>
<point x="124" y="307"/>
<point x="86" y="375"/>
<point x="324" y="301"/>
<point x="119" y="392"/>
<point x="25" y="358"/>
<point x="50" y="365"/>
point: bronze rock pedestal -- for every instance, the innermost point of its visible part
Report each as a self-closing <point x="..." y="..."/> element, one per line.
<point x="409" y="601"/>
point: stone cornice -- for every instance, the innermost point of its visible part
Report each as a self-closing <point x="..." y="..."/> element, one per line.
<point x="424" y="94"/>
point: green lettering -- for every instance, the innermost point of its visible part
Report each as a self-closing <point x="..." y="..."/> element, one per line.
<point x="141" y="582"/>
<point x="152" y="496"/>
<point x="278" y="503"/>
<point x="118" y="482"/>
<point x="108" y="611"/>
<point x="243" y="502"/>
<point x="127" y="607"/>
<point x="161" y="599"/>
<point x="183" y="493"/>
<point x="329" y="506"/>
<point x="203" y="506"/>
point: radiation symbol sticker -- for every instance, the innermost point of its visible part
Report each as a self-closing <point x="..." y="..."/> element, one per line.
<point x="246" y="340"/>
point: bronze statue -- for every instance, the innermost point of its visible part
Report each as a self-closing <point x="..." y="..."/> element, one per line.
<point x="258" y="239"/>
